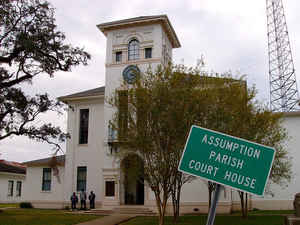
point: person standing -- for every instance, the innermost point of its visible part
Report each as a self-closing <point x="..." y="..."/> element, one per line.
<point x="82" y="199"/>
<point x="74" y="200"/>
<point x="92" y="197"/>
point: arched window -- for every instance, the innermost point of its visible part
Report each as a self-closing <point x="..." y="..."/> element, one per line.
<point x="133" y="49"/>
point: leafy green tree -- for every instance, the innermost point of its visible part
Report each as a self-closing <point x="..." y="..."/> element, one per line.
<point x="265" y="127"/>
<point x="30" y="46"/>
<point x="154" y="116"/>
<point x="153" y="121"/>
<point x="235" y="111"/>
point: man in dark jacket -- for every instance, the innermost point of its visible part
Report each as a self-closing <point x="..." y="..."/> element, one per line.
<point x="82" y="200"/>
<point x="92" y="197"/>
<point x="74" y="200"/>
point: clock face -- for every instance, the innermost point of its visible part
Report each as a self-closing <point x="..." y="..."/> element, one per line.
<point x="130" y="73"/>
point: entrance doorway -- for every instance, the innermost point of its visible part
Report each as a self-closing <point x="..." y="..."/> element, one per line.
<point x="132" y="180"/>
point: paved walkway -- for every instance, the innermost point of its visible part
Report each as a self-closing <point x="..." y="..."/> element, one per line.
<point x="8" y="208"/>
<point x="112" y="219"/>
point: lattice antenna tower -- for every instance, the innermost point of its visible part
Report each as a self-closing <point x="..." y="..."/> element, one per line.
<point x="284" y="95"/>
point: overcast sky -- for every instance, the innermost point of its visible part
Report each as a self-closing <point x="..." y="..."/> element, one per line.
<point x="231" y="35"/>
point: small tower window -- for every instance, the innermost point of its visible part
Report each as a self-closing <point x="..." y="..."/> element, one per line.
<point x="133" y="49"/>
<point x="148" y="53"/>
<point x="118" y="56"/>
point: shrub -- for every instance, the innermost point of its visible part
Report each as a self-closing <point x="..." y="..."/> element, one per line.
<point x="26" y="205"/>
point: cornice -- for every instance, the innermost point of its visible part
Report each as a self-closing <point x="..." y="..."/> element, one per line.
<point x="142" y="21"/>
<point x="134" y="62"/>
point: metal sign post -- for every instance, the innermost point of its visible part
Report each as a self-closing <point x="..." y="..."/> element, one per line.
<point x="213" y="207"/>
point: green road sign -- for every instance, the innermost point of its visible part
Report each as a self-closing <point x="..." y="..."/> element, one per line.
<point x="227" y="160"/>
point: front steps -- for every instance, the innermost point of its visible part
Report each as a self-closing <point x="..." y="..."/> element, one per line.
<point x="133" y="209"/>
<point x="99" y="212"/>
<point x="122" y="209"/>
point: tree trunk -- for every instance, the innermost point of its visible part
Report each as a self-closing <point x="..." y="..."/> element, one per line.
<point x="241" y="194"/>
<point x="174" y="207"/>
<point x="244" y="203"/>
<point x="177" y="206"/>
<point x="174" y="200"/>
<point x="158" y="204"/>
<point x="161" y="206"/>
<point x="176" y="192"/>
<point x="163" y="211"/>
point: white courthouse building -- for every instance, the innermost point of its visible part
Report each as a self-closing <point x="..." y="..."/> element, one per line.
<point x="132" y="44"/>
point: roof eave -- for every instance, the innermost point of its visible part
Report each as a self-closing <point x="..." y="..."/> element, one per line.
<point x="11" y="173"/>
<point x="292" y="114"/>
<point x="68" y="99"/>
<point x="39" y="164"/>
<point x="118" y="24"/>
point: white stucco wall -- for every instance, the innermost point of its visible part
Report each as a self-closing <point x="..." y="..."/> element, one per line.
<point x="89" y="155"/>
<point x="32" y="191"/>
<point x="4" y="178"/>
<point x="284" y="195"/>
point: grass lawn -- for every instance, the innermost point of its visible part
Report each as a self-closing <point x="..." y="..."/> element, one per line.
<point x="220" y="220"/>
<point x="41" y="217"/>
<point x="5" y="205"/>
<point x="271" y="212"/>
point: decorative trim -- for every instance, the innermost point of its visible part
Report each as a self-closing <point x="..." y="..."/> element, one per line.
<point x="134" y="62"/>
<point x="133" y="35"/>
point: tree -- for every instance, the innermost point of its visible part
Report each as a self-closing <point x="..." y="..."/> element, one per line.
<point x="268" y="131"/>
<point x="31" y="45"/>
<point x="153" y="122"/>
<point x="237" y="113"/>
<point x="154" y="116"/>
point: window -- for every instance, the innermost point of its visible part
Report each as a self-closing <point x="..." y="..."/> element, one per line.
<point x="166" y="56"/>
<point x="81" y="178"/>
<point x="148" y="53"/>
<point x="10" y="188"/>
<point x="141" y="110"/>
<point x="19" y="188"/>
<point x="123" y="114"/>
<point x="84" y="126"/>
<point x="46" y="184"/>
<point x="133" y="49"/>
<point x="109" y="188"/>
<point x="118" y="56"/>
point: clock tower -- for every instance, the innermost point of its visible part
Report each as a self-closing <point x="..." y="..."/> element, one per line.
<point x="133" y="45"/>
